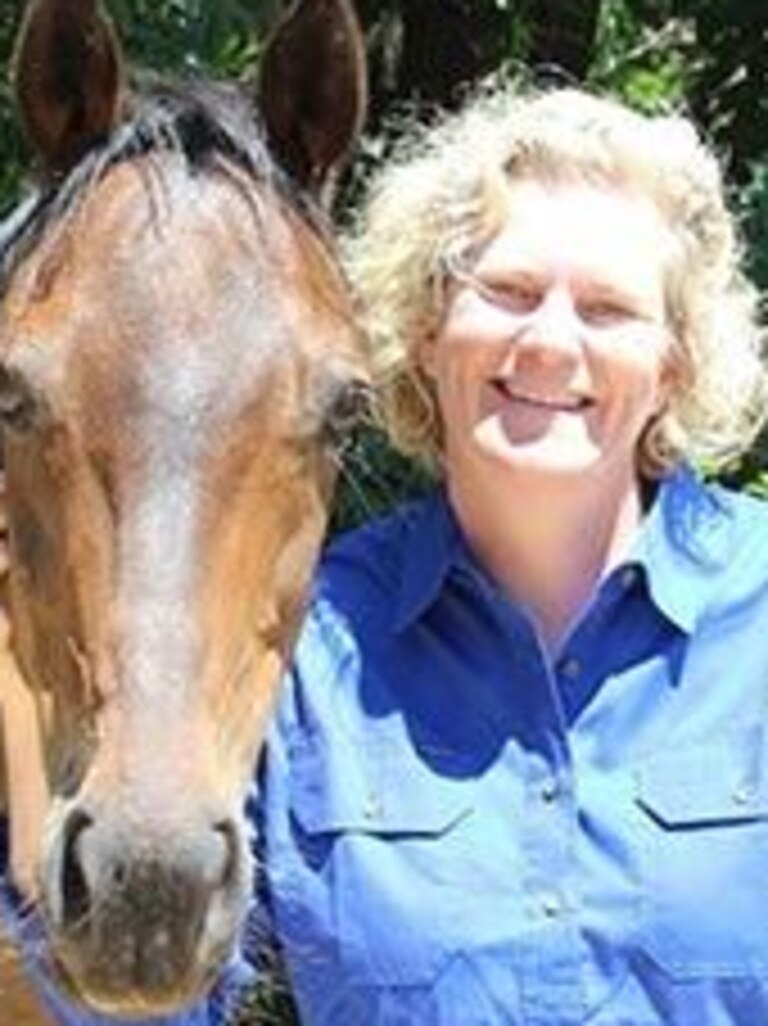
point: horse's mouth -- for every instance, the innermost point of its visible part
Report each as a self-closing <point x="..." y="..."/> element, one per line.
<point x="135" y="974"/>
<point x="105" y="994"/>
<point x="149" y="935"/>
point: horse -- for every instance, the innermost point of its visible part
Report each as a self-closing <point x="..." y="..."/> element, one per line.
<point x="179" y="358"/>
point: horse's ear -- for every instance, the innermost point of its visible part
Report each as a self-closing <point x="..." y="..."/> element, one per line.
<point x="313" y="89"/>
<point x="68" y="78"/>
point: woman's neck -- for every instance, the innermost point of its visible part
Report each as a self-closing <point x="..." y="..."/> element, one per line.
<point x="548" y="548"/>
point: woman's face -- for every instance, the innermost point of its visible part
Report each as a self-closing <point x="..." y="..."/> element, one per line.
<point x="552" y="352"/>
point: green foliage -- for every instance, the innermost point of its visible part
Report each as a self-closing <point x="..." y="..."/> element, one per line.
<point x="269" y="1004"/>
<point x="727" y="54"/>
<point x="193" y="35"/>
<point x="753" y="202"/>
<point x="639" y="55"/>
<point x="373" y="479"/>
<point x="11" y="148"/>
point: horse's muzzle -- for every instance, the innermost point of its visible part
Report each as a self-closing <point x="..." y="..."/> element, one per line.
<point x="140" y="922"/>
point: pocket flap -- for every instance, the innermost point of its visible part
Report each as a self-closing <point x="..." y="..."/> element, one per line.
<point x="379" y="788"/>
<point x="705" y="784"/>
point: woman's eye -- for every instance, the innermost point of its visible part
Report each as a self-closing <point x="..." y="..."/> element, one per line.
<point x="606" y="312"/>
<point x="516" y="297"/>
<point x="520" y="298"/>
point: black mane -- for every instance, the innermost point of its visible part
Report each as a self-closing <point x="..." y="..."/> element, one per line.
<point x="206" y="122"/>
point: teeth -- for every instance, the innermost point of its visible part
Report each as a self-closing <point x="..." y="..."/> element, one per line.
<point x="549" y="402"/>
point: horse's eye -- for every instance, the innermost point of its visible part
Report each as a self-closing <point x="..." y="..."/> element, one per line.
<point x="19" y="406"/>
<point x="349" y="407"/>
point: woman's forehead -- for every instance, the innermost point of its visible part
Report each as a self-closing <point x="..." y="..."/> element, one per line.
<point x="605" y="231"/>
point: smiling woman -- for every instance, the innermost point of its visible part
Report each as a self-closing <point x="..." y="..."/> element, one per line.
<point x="519" y="773"/>
<point x="434" y="208"/>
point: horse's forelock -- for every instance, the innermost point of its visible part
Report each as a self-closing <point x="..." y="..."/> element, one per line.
<point x="210" y="125"/>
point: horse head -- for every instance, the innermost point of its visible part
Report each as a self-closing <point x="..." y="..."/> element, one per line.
<point x="178" y="354"/>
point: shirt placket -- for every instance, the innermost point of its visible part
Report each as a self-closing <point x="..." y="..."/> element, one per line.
<point x="550" y="964"/>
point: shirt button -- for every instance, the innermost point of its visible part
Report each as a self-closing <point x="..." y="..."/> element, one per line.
<point x="551" y="905"/>
<point x="570" y="668"/>
<point x="741" y="796"/>
<point x="628" y="577"/>
<point x="550" y="790"/>
<point x="373" y="809"/>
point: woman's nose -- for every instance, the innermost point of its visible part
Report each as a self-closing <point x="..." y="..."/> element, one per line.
<point x="554" y="326"/>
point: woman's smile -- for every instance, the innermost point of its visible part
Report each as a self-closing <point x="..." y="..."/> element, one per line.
<point x="539" y="399"/>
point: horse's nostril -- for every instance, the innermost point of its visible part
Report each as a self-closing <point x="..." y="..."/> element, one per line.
<point x="76" y="899"/>
<point x="119" y="874"/>
<point x="227" y="830"/>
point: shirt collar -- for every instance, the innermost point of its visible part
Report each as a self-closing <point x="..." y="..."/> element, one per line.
<point x="688" y="534"/>
<point x="686" y="538"/>
<point x="433" y="545"/>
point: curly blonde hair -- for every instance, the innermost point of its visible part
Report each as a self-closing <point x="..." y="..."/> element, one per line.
<point x="442" y="195"/>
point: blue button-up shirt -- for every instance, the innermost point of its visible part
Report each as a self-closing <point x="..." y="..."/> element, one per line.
<point x="456" y="833"/>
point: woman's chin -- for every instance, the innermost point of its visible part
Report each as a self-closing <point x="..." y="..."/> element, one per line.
<point x="544" y="457"/>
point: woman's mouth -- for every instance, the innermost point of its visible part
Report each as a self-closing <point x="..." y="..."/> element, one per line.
<point x="541" y="400"/>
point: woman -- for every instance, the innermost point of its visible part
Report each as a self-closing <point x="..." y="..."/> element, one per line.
<point x="519" y="773"/>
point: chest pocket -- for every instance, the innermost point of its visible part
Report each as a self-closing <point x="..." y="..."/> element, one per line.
<point x="704" y="857"/>
<point x="380" y="840"/>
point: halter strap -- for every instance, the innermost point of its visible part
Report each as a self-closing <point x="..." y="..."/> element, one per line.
<point x="27" y="791"/>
